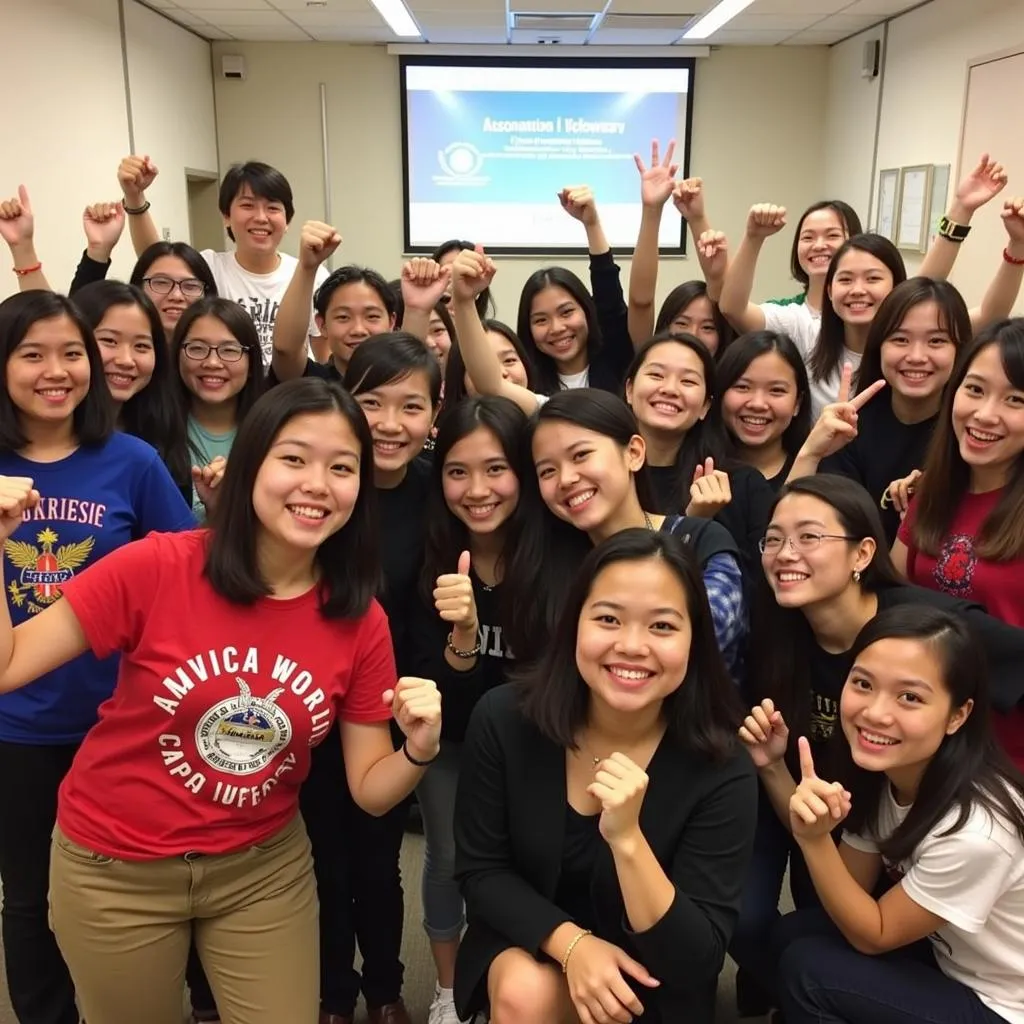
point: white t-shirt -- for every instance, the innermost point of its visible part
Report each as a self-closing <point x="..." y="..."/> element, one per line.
<point x="974" y="880"/>
<point x="575" y="380"/>
<point x="259" y="294"/>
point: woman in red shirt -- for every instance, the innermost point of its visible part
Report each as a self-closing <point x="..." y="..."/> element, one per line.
<point x="239" y="646"/>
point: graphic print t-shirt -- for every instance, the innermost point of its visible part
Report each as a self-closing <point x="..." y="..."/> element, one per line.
<point x="206" y="740"/>
<point x="258" y="294"/>
<point x="92" y="502"/>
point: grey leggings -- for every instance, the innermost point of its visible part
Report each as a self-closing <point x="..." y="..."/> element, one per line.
<point x="443" y="911"/>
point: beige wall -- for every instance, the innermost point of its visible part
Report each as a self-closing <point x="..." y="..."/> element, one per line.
<point x="70" y="122"/>
<point x="756" y="137"/>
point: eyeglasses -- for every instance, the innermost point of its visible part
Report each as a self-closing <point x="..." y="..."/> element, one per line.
<point x="190" y="287"/>
<point x="226" y="351"/>
<point x="802" y="543"/>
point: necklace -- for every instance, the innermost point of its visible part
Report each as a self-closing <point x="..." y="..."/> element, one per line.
<point x="648" y="523"/>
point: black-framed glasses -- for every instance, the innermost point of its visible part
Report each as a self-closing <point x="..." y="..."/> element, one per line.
<point x="226" y="351"/>
<point x="802" y="543"/>
<point x="190" y="287"/>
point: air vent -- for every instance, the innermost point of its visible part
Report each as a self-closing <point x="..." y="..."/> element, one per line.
<point x="551" y="24"/>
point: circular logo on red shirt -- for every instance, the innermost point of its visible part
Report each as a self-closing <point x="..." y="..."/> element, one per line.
<point x="241" y="735"/>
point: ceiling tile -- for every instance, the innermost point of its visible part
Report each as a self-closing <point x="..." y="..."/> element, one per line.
<point x="737" y="37"/>
<point x="454" y="19"/>
<point x="339" y="6"/>
<point x="187" y="18"/>
<point x="847" y="22"/>
<point x="466" y="36"/>
<point x="160" y="5"/>
<point x="802" y="8"/>
<point x="335" y="21"/>
<point x="678" y="8"/>
<point x="635" y="37"/>
<point x="265" y="34"/>
<point x="773" y="22"/>
<point x="557" y="6"/>
<point x="378" y="34"/>
<point x="880" y="8"/>
<point x="209" y="32"/>
<point x="203" y="6"/>
<point x="565" y="38"/>
<point x="814" y="37"/>
<point x="250" y="19"/>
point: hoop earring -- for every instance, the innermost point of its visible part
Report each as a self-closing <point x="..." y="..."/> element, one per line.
<point x="856" y="575"/>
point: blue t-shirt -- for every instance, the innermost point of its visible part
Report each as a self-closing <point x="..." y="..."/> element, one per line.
<point x="91" y="502"/>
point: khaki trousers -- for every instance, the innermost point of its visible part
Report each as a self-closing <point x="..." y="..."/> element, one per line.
<point x="124" y="929"/>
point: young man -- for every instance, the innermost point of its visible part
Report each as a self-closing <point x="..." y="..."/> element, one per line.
<point x="256" y="204"/>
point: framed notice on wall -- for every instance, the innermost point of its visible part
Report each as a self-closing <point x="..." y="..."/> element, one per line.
<point x="914" y="208"/>
<point x="888" y="202"/>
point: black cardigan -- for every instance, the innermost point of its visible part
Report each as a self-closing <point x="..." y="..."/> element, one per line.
<point x="609" y="363"/>
<point x="697" y="816"/>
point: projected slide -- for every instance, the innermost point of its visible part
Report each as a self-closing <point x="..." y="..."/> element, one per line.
<point x="488" y="149"/>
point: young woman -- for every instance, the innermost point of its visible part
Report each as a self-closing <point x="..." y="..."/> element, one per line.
<point x="604" y="816"/>
<point x="963" y="531"/>
<point x="98" y="490"/>
<point x="909" y="355"/>
<point x="440" y="334"/>
<point x="589" y="483"/>
<point x="200" y="756"/>
<point x="472" y="515"/>
<point x="498" y="342"/>
<point x="828" y="572"/>
<point x="764" y="402"/>
<point x="934" y="804"/>
<point x="220" y="367"/>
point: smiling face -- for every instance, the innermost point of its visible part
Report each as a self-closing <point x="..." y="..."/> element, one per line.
<point x="821" y="234"/>
<point x="480" y="488"/>
<point x="400" y="417"/>
<point x="213" y="379"/>
<point x="860" y="284"/>
<point x="257" y="223"/>
<point x="125" y="339"/>
<point x="633" y="635"/>
<point x="760" y="405"/>
<point x="895" y="708"/>
<point x="559" y="328"/>
<point x="585" y="478"/>
<point x="438" y="339"/>
<point x="167" y="281"/>
<point x="307" y="486"/>
<point x="48" y="374"/>
<point x="988" y="418"/>
<point x="355" y="312"/>
<point x="698" y="319"/>
<point x="917" y="358"/>
<point x="668" y="395"/>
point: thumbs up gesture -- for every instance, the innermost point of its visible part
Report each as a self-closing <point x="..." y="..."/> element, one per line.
<point x="709" y="492"/>
<point x="817" y="806"/>
<point x="454" y="601"/>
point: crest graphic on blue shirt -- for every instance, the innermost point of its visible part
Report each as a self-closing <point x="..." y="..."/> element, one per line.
<point x="43" y="570"/>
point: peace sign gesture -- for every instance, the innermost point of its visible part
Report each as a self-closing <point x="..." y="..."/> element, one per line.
<point x="657" y="182"/>
<point x="837" y="424"/>
<point x="817" y="806"/>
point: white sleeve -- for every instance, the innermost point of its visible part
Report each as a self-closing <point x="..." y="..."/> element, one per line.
<point x="321" y="276"/>
<point x="858" y="842"/>
<point x="960" y="877"/>
<point x="792" y="320"/>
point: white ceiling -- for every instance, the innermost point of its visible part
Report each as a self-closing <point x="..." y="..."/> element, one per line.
<point x="595" y="22"/>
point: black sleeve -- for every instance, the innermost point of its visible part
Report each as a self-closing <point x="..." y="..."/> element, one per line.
<point x="746" y="517"/>
<point x="845" y="462"/>
<point x="88" y="272"/>
<point x="708" y="872"/>
<point x="616" y="350"/>
<point x="495" y="892"/>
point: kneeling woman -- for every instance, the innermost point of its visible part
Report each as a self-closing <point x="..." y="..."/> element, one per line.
<point x="604" y="817"/>
<point x="239" y="646"/>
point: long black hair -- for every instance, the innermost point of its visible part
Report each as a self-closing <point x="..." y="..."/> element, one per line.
<point x="969" y="769"/>
<point x="676" y="303"/>
<point x="455" y="369"/>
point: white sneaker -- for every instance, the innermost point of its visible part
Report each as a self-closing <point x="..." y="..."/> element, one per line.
<point x="442" y="1009"/>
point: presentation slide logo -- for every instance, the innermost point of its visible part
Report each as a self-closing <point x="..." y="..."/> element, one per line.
<point x="460" y="163"/>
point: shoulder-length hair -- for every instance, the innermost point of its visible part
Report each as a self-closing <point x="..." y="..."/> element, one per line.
<point x="446" y="535"/>
<point x="946" y="475"/>
<point x="93" y="417"/>
<point x="706" y="438"/>
<point x="391" y="357"/>
<point x="781" y="638"/>
<point x="954" y="318"/>
<point x="152" y="413"/>
<point x="731" y="367"/>
<point x="184" y="252"/>
<point x="969" y="768"/>
<point x="676" y="303"/>
<point x="848" y="218"/>
<point x="702" y="714"/>
<point x="826" y="357"/>
<point x="348" y="560"/>
<point x="557" y="277"/>
<point x="484" y="301"/>
<point x="455" y="368"/>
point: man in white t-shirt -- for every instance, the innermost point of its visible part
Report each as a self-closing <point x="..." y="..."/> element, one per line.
<point x="256" y="204"/>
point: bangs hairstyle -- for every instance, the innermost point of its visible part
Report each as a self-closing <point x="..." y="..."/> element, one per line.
<point x="969" y="768"/>
<point x="348" y="560"/>
<point x="947" y="477"/>
<point x="351" y="274"/>
<point x="455" y="369"/>
<point x="954" y="319"/>
<point x="441" y="310"/>
<point x="93" y="417"/>
<point x="446" y="535"/>
<point x="484" y="301"/>
<point x="198" y="267"/>
<point x="781" y="637"/>
<point x="735" y="363"/>
<point x="847" y="217"/>
<point x="264" y="181"/>
<point x="826" y="357"/>
<point x="702" y="715"/>
<point x="555" y="277"/>
<point x="151" y="413"/>
<point x="389" y="358"/>
<point x="676" y="303"/>
<point x="705" y="439"/>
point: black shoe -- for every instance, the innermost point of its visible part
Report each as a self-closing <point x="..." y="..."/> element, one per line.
<point x="751" y="999"/>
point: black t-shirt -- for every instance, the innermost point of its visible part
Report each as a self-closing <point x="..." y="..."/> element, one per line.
<point x="325" y="371"/>
<point x="579" y="853"/>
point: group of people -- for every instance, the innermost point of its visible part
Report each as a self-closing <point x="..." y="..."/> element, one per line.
<point x="643" y="607"/>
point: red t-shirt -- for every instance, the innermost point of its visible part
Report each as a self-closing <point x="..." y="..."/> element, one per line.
<point x="958" y="570"/>
<point x="206" y="740"/>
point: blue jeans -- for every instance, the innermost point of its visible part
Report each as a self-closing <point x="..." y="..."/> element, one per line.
<point x="443" y="910"/>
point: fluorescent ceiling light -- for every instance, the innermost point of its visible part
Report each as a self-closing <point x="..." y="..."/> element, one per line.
<point x="399" y="20"/>
<point x="711" y="22"/>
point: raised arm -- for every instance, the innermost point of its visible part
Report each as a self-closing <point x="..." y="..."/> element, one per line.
<point x="763" y="221"/>
<point x="103" y="224"/>
<point x="1002" y="293"/>
<point x="688" y="199"/>
<point x="424" y="282"/>
<point x="17" y="229"/>
<point x="578" y="202"/>
<point x="135" y="174"/>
